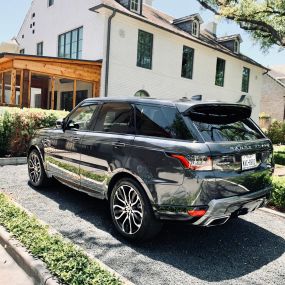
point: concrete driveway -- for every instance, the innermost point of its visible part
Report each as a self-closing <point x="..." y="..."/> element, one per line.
<point x="249" y="250"/>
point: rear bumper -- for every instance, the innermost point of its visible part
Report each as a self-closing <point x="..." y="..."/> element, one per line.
<point x="220" y="210"/>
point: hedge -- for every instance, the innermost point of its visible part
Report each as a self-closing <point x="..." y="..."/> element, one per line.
<point x="64" y="260"/>
<point x="18" y="126"/>
<point x="278" y="194"/>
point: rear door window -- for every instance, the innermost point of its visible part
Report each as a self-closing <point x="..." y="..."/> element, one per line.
<point x="162" y="122"/>
<point x="243" y="130"/>
<point x="116" y="118"/>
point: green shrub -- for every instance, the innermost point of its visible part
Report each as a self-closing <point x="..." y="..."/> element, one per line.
<point x="65" y="261"/>
<point x="278" y="194"/>
<point x="279" y="158"/>
<point x="18" y="126"/>
<point x="276" y="132"/>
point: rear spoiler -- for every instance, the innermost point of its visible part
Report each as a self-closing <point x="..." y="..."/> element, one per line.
<point x="217" y="113"/>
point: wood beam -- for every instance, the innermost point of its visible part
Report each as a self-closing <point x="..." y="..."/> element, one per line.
<point x="2" y="89"/>
<point x="97" y="89"/>
<point x="61" y="70"/>
<point x="6" y="66"/>
<point x="52" y="92"/>
<point x="26" y="89"/>
<point x="21" y="88"/>
<point x="74" y="93"/>
<point x="13" y="87"/>
<point x="29" y="91"/>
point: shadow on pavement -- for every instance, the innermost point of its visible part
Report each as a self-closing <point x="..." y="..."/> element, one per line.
<point x="210" y="254"/>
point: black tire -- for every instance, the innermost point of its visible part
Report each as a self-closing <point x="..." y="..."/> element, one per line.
<point x="132" y="214"/>
<point x="37" y="174"/>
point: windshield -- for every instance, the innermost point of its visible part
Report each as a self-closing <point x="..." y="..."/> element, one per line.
<point x="243" y="130"/>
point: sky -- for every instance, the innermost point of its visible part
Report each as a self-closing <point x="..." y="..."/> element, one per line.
<point x="13" y="12"/>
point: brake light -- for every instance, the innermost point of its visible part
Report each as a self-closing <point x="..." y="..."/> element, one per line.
<point x="195" y="162"/>
<point x="197" y="213"/>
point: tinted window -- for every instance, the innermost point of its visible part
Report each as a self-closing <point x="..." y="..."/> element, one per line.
<point x="82" y="118"/>
<point x="165" y="122"/>
<point x="115" y="118"/>
<point x="243" y="130"/>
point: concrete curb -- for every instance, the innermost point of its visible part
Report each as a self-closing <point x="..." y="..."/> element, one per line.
<point x="36" y="269"/>
<point x="13" y="161"/>
<point x="273" y="212"/>
<point x="38" y="266"/>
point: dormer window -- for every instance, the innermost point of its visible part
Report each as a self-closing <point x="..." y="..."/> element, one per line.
<point x="135" y="6"/>
<point x="195" y="28"/>
<point x="190" y="24"/>
<point x="236" y="46"/>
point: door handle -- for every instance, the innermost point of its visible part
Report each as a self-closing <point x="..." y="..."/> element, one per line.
<point x="118" y="144"/>
<point x="76" y="139"/>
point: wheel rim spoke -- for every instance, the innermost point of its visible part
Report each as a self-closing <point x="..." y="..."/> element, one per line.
<point x="127" y="209"/>
<point x="34" y="167"/>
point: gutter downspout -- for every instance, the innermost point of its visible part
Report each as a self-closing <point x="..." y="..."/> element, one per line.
<point x="108" y="52"/>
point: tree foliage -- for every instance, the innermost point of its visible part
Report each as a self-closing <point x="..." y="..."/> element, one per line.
<point x="263" y="19"/>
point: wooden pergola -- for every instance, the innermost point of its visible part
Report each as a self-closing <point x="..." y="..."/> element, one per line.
<point x="21" y="68"/>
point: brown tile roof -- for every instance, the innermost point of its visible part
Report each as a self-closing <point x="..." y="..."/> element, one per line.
<point x="164" y="21"/>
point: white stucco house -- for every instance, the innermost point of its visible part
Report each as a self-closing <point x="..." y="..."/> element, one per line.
<point x="145" y="52"/>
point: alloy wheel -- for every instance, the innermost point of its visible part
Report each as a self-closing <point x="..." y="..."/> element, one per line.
<point x="35" y="170"/>
<point x="128" y="209"/>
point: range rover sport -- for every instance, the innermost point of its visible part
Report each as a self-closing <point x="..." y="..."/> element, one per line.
<point x="152" y="160"/>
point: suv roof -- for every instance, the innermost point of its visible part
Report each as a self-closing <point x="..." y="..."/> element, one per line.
<point x="183" y="104"/>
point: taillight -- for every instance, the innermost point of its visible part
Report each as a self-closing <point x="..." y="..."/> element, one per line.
<point x="195" y="162"/>
<point x="197" y="213"/>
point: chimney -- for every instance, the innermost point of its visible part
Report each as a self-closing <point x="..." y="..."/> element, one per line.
<point x="211" y="28"/>
<point x="148" y="2"/>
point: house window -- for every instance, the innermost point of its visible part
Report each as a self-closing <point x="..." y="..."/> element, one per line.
<point x="142" y="94"/>
<point x="245" y="79"/>
<point x="220" y="72"/>
<point x="187" y="62"/>
<point x="195" y="28"/>
<point x="236" y="46"/>
<point x="40" y="48"/>
<point x="135" y="6"/>
<point x="22" y="51"/>
<point x="70" y="44"/>
<point x="50" y="3"/>
<point x="145" y="46"/>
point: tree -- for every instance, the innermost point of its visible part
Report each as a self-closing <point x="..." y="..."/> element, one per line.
<point x="263" y="19"/>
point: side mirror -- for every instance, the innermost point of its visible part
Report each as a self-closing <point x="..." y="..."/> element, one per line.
<point x="59" y="124"/>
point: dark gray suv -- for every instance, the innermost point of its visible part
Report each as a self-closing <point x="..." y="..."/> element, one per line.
<point x="202" y="163"/>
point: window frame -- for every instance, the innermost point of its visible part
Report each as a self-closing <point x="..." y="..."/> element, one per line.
<point x="195" y="28"/>
<point x="22" y="51"/>
<point x="223" y="72"/>
<point x="41" y="45"/>
<point x="236" y="46"/>
<point x="133" y="3"/>
<point x="133" y="118"/>
<point x="69" y="34"/>
<point x="93" y="118"/>
<point x="245" y="85"/>
<point x="190" y="76"/>
<point x="50" y="3"/>
<point x="142" y="53"/>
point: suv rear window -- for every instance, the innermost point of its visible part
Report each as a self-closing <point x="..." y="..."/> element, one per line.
<point x="161" y="121"/>
<point x="243" y="130"/>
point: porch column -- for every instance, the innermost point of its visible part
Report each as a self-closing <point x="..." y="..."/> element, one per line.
<point x="26" y="94"/>
<point x="52" y="92"/>
<point x="13" y="87"/>
<point x="2" y="88"/>
<point x="74" y="93"/>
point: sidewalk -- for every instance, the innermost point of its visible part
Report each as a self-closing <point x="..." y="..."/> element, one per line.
<point x="10" y="272"/>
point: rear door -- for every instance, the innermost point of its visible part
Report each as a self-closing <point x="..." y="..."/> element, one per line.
<point x="242" y="155"/>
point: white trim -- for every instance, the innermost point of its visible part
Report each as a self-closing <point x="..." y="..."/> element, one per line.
<point x="195" y="23"/>
<point x="138" y="3"/>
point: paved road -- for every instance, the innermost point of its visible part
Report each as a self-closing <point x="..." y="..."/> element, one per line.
<point x="10" y="272"/>
<point x="250" y="250"/>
